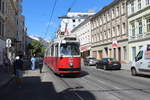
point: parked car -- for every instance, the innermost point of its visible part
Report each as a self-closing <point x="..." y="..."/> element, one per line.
<point x="108" y="63"/>
<point x="90" y="61"/>
<point x="141" y="63"/>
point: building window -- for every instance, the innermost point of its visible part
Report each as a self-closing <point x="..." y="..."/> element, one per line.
<point x="132" y="7"/>
<point x="104" y="18"/>
<point x="108" y="16"/>
<point x="133" y="52"/>
<point x="3" y="7"/>
<point x="140" y="26"/>
<point x="113" y="32"/>
<point x="148" y="24"/>
<point x="123" y="28"/>
<point x="125" y="52"/>
<point x="139" y="4"/>
<point x="73" y="20"/>
<point x="117" y="14"/>
<point x="123" y="8"/>
<point x="109" y="35"/>
<point x="0" y="5"/>
<point x="118" y="28"/>
<point x="113" y="13"/>
<point x="133" y="29"/>
<point x="147" y="2"/>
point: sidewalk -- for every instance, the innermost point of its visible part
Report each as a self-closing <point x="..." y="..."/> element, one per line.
<point x="5" y="77"/>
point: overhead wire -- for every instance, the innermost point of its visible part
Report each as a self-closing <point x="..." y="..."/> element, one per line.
<point x="51" y="16"/>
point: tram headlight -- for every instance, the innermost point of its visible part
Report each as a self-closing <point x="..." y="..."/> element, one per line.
<point x="71" y="64"/>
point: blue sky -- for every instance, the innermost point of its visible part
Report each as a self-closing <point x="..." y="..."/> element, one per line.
<point x="37" y="14"/>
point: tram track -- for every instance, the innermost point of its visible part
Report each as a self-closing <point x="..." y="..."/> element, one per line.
<point x="69" y="92"/>
<point x="124" y="88"/>
<point x="102" y="87"/>
<point x="73" y="88"/>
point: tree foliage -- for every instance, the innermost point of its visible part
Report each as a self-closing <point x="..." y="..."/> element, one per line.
<point x="37" y="48"/>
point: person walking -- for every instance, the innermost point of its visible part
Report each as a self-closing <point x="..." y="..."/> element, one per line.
<point x="40" y="64"/>
<point x="33" y="60"/>
<point x="18" y="68"/>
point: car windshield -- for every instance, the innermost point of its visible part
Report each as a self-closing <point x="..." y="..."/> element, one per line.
<point x="70" y="49"/>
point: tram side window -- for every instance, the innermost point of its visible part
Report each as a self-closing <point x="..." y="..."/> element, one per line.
<point x="49" y="52"/>
<point x="52" y="50"/>
<point x="56" y="50"/>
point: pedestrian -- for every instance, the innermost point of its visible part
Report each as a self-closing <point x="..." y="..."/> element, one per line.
<point x="7" y="63"/>
<point x="33" y="60"/>
<point x="18" y="70"/>
<point x="40" y="64"/>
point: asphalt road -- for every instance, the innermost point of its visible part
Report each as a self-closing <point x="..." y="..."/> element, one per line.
<point x="91" y="84"/>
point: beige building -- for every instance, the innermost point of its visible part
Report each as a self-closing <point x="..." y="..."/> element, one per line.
<point x="138" y="25"/>
<point x="109" y="32"/>
<point x="83" y="33"/>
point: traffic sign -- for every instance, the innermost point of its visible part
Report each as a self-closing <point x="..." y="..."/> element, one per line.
<point x="8" y="43"/>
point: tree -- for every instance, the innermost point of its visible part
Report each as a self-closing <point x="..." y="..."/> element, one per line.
<point x="37" y="48"/>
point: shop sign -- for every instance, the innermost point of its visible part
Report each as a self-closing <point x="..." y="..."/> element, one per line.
<point x="114" y="44"/>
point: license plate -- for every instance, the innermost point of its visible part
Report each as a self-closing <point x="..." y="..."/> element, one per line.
<point x="115" y="64"/>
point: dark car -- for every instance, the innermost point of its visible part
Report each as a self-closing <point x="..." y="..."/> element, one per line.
<point x="90" y="61"/>
<point x="108" y="63"/>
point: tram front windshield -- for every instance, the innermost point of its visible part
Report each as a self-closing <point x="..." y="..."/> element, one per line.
<point x="69" y="49"/>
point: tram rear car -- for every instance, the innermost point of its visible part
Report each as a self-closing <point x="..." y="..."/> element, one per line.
<point x="63" y="56"/>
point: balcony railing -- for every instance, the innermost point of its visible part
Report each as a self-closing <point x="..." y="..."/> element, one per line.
<point x="139" y="36"/>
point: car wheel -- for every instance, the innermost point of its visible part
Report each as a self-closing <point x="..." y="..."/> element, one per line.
<point x="105" y="67"/>
<point x="133" y="72"/>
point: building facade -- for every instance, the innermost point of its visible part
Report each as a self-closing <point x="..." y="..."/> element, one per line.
<point x="109" y="32"/>
<point x="138" y="25"/>
<point x="71" y="20"/>
<point x="83" y="32"/>
<point x="11" y="25"/>
<point x="2" y="30"/>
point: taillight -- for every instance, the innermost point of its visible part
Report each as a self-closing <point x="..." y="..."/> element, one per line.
<point x="110" y="62"/>
<point x="149" y="66"/>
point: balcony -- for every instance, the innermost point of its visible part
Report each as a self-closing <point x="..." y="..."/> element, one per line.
<point x="139" y="36"/>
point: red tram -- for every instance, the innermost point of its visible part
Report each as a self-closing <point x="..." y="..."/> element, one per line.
<point x="63" y="56"/>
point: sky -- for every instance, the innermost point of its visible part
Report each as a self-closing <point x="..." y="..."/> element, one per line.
<point x="38" y="14"/>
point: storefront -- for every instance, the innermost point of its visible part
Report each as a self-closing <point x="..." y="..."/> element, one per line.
<point x="85" y="50"/>
<point x="117" y="50"/>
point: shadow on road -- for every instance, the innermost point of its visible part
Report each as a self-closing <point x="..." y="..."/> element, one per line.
<point x="33" y="89"/>
<point x="73" y="75"/>
<point x="142" y="75"/>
